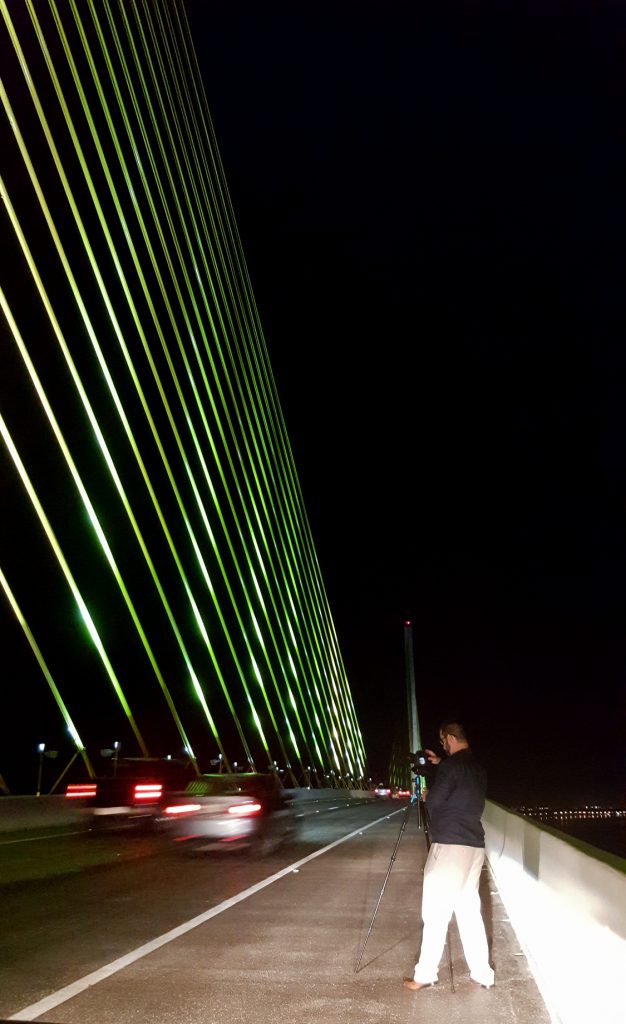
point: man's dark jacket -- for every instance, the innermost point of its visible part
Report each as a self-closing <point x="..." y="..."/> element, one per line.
<point x="455" y="800"/>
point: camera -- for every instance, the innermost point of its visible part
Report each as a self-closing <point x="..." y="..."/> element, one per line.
<point x="419" y="762"/>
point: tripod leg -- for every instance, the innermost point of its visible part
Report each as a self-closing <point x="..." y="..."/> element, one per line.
<point x="449" y="958"/>
<point x="393" y="857"/>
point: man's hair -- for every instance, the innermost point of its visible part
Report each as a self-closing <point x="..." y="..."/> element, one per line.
<point x="453" y="729"/>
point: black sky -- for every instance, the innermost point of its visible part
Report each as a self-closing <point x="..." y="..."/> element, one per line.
<point x="432" y="208"/>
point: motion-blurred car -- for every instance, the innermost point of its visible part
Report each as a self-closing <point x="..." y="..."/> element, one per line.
<point x="382" y="790"/>
<point x="402" y="794"/>
<point x="234" y="811"/>
<point x="135" y="791"/>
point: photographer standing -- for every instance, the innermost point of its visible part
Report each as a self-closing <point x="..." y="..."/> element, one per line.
<point x="455" y="803"/>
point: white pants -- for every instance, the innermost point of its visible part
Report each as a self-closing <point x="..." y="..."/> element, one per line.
<point x="451" y="878"/>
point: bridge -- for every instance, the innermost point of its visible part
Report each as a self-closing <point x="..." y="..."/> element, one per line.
<point x="111" y="926"/>
<point x="162" y="595"/>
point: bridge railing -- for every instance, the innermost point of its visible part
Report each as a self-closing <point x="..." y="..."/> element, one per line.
<point x="567" y="904"/>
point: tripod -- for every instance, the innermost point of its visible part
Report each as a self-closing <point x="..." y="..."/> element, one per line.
<point x="382" y="891"/>
<point x="423" y="820"/>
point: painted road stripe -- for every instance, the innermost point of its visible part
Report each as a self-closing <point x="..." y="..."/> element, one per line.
<point x="37" y="839"/>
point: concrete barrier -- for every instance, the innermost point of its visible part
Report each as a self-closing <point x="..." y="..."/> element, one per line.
<point x="567" y="904"/>
<point x="23" y="813"/>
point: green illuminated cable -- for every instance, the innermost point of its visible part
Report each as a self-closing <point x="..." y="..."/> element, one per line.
<point x="195" y="682"/>
<point x="196" y="610"/>
<point x="71" y="728"/>
<point x="91" y="512"/>
<point x="179" y="147"/>
<point x="183" y="150"/>
<point x="82" y="607"/>
<point x="217" y="554"/>
<point x="227" y="450"/>
<point x="319" y="647"/>
<point x="101" y="442"/>
<point x="225" y="189"/>
<point x="265" y="561"/>
<point x="199" y="556"/>
<point x="210" y="534"/>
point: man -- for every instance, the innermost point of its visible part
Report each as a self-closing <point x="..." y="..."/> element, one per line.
<point x="455" y="802"/>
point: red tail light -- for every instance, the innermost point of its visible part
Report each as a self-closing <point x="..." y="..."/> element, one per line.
<point x="182" y="808"/>
<point x="80" y="789"/>
<point x="244" y="810"/>
<point x="147" y="792"/>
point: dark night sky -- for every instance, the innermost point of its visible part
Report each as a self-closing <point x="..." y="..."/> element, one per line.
<point x="432" y="208"/>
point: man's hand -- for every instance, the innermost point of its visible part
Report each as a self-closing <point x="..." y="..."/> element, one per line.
<point x="432" y="756"/>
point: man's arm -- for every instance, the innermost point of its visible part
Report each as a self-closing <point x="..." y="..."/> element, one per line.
<point x="441" y="787"/>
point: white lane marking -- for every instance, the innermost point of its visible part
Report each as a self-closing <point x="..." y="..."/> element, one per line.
<point x="35" y="839"/>
<point x="50" y="1002"/>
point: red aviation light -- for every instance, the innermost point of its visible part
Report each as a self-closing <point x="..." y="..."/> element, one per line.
<point x="244" y="810"/>
<point x="80" y="790"/>
<point x="147" y="792"/>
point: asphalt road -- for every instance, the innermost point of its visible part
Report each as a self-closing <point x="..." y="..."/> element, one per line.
<point x="124" y="927"/>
